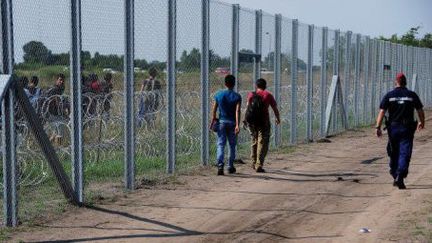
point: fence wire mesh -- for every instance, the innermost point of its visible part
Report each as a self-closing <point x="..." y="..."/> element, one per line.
<point x="284" y="106"/>
<point x="102" y="92"/>
<point x="245" y="77"/>
<point x="188" y="83"/>
<point x="317" y="94"/>
<point x="150" y="55"/>
<point x="366" y="68"/>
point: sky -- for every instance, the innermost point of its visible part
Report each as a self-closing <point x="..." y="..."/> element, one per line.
<point x="368" y="17"/>
<point x="48" y="21"/>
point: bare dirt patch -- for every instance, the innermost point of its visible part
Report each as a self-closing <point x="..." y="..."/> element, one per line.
<point x="322" y="192"/>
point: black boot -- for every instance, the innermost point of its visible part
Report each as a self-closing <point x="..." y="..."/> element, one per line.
<point x="220" y="171"/>
<point x="400" y="183"/>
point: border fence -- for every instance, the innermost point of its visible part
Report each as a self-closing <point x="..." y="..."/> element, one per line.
<point x="128" y="125"/>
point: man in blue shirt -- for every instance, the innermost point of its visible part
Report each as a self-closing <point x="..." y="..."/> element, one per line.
<point x="400" y="104"/>
<point x="228" y="103"/>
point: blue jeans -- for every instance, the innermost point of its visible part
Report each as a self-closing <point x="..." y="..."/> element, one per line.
<point x="400" y="149"/>
<point x="226" y="131"/>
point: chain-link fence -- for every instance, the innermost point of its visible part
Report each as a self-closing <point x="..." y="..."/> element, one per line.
<point x="132" y="76"/>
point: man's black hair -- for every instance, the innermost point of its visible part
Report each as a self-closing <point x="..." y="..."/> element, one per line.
<point x="261" y="83"/>
<point x="93" y="77"/>
<point x="61" y="75"/>
<point x="24" y="81"/>
<point x="230" y="81"/>
<point x="35" y="80"/>
<point x="153" y="72"/>
<point x="108" y="76"/>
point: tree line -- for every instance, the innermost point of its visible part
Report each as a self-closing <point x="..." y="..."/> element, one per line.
<point x="411" y="38"/>
<point x="36" y="54"/>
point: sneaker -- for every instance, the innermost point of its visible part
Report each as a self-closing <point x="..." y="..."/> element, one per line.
<point x="220" y="171"/>
<point x="260" y="170"/>
<point x="395" y="183"/>
<point x="232" y="170"/>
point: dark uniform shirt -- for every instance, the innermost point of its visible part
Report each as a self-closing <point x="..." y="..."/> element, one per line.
<point x="400" y="103"/>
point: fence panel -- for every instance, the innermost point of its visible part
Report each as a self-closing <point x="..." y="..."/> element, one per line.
<point x="285" y="105"/>
<point x="188" y="85"/>
<point x="247" y="37"/>
<point x="102" y="92"/>
<point x="303" y="30"/>
<point x="151" y="43"/>
<point x="267" y="59"/>
<point x="366" y="67"/>
<point x="41" y="45"/>
<point x="220" y="51"/>
<point x="316" y="78"/>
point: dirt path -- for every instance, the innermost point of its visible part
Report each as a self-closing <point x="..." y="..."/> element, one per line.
<point x="320" y="193"/>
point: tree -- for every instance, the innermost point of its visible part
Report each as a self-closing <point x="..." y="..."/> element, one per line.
<point x="410" y="38"/>
<point x="36" y="52"/>
<point x="426" y="41"/>
<point x="218" y="61"/>
<point x="190" y="61"/>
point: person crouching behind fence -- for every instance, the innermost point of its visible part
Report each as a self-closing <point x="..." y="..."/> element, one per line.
<point x="257" y="119"/>
<point x="400" y="104"/>
<point x="228" y="103"/>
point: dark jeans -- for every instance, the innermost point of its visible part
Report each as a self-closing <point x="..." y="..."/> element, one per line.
<point x="400" y="147"/>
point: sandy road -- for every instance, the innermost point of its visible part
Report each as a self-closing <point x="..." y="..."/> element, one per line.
<point x="320" y="193"/>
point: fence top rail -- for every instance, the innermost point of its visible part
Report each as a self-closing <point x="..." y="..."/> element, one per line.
<point x="5" y="82"/>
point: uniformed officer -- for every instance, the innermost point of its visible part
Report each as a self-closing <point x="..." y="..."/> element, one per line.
<point x="401" y="125"/>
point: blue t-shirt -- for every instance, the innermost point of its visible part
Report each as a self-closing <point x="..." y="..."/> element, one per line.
<point x="227" y="101"/>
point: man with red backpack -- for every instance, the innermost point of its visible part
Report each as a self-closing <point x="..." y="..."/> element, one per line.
<point x="257" y="118"/>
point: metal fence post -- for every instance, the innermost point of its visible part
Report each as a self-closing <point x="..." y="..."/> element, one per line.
<point x="309" y="83"/>
<point x="205" y="92"/>
<point x="336" y="53"/>
<point x="294" y="75"/>
<point x="430" y="77"/>
<point x="373" y="77"/>
<point x="10" y="167"/>
<point x="357" y="80"/>
<point x="235" y="43"/>
<point x="277" y="71"/>
<point x="129" y="125"/>
<point x="413" y="62"/>
<point x="366" y="78"/>
<point x="171" y="86"/>
<point x="380" y="64"/>
<point x="258" y="45"/>
<point x="405" y="59"/>
<point x="401" y="57"/>
<point x="386" y="73"/>
<point x="323" y="80"/>
<point x="76" y="102"/>
<point x="336" y="56"/>
<point x="347" y="73"/>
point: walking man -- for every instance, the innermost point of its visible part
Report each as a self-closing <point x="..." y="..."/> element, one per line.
<point x="228" y="103"/>
<point x="258" y="121"/>
<point x="400" y="104"/>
